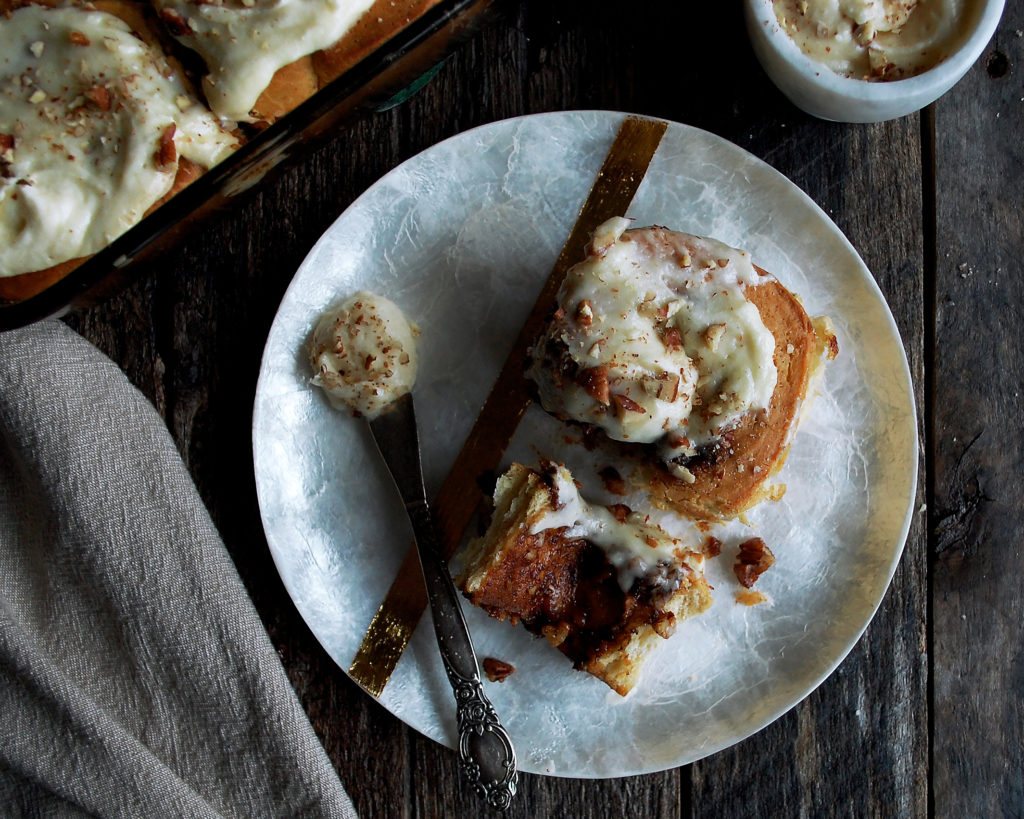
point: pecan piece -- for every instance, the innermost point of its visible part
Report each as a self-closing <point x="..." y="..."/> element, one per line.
<point x="594" y="381"/>
<point x="754" y="559"/>
<point x="176" y="24"/>
<point x="672" y="339"/>
<point x="585" y="313"/>
<point x="497" y="670"/>
<point x="166" y="153"/>
<point x="623" y="403"/>
<point x="712" y="547"/>
<point x="100" y="95"/>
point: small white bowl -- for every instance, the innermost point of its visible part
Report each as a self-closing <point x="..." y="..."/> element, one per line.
<point x="818" y="90"/>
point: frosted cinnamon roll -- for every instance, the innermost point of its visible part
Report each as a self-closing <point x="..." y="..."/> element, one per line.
<point x="96" y="128"/>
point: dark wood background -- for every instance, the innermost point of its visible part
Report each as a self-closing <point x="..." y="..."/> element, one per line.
<point x="924" y="715"/>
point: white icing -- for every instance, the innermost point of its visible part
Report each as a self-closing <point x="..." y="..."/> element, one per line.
<point x="619" y="309"/>
<point x="81" y="172"/>
<point x="874" y="39"/>
<point x="637" y="550"/>
<point x="245" y="43"/>
<point x="363" y="354"/>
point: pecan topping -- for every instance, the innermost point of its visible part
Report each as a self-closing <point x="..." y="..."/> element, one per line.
<point x="6" y="155"/>
<point x="78" y="39"/>
<point x="100" y="95"/>
<point x="754" y="559"/>
<point x="833" y="347"/>
<point x="166" y="153"/>
<point x="665" y="387"/>
<point x="713" y="334"/>
<point x="712" y="547"/>
<point x="497" y="670"/>
<point x="623" y="403"/>
<point x="584" y="314"/>
<point x="672" y="339"/>
<point x="594" y="381"/>
<point x="177" y="24"/>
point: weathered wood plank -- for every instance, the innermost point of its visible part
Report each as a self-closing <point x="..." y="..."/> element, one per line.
<point x="976" y="440"/>
<point x="858" y="745"/>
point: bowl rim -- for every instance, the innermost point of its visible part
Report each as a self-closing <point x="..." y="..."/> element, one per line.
<point x="945" y="73"/>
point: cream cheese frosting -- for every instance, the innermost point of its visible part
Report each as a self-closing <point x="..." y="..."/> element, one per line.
<point x="92" y="121"/>
<point x="363" y="354"/>
<point x="654" y="340"/>
<point x="245" y="42"/>
<point x="874" y="39"/>
<point x="637" y="550"/>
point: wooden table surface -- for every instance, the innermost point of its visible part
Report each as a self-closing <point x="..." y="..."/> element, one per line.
<point x="923" y="716"/>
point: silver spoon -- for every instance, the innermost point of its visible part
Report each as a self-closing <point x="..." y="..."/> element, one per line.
<point x="486" y="756"/>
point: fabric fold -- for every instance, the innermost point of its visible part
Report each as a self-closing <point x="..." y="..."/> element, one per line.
<point x="135" y="675"/>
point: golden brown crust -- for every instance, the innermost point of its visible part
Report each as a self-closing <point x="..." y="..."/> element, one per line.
<point x="733" y="476"/>
<point x="26" y="285"/>
<point x="296" y="82"/>
<point x="565" y="589"/>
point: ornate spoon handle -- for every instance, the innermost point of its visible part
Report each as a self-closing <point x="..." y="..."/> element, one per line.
<point x="486" y="756"/>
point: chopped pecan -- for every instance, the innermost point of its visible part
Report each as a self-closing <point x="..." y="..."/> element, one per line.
<point x="176" y="24"/>
<point x="665" y="387"/>
<point x="754" y="559"/>
<point x="166" y="153"/>
<point x="585" y="313"/>
<point x="497" y="670"/>
<point x="100" y="95"/>
<point x="713" y="334"/>
<point x="594" y="381"/>
<point x="623" y="403"/>
<point x="832" y="345"/>
<point x="712" y="547"/>
<point x="672" y="339"/>
<point x="78" y="39"/>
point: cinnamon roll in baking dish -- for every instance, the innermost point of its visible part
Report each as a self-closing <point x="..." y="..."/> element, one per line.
<point x="264" y="57"/>
<point x="99" y="124"/>
<point x="97" y="127"/>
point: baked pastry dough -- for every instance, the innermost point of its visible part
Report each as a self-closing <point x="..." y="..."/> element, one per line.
<point x="264" y="57"/>
<point x="601" y="584"/>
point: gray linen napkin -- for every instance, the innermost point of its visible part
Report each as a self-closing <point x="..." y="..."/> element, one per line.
<point x="135" y="676"/>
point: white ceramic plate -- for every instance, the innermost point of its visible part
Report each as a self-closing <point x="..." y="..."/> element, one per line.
<point x="462" y="237"/>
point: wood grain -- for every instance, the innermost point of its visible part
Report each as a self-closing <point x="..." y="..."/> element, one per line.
<point x="923" y="716"/>
<point x="976" y="442"/>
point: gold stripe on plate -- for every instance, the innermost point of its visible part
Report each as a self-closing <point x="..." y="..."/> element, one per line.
<point x="392" y="626"/>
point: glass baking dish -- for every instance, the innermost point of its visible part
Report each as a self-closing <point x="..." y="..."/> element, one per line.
<point x="392" y="68"/>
